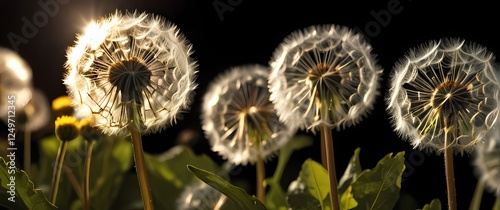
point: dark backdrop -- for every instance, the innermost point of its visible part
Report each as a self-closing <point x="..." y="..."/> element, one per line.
<point x="226" y="33"/>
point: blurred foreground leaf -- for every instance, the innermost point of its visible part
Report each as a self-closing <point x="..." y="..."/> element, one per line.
<point x="18" y="191"/>
<point x="243" y="200"/>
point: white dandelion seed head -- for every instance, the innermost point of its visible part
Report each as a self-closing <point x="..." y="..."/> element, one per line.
<point x="200" y="196"/>
<point x="125" y="59"/>
<point x="238" y="118"/>
<point x="444" y="84"/>
<point x="487" y="159"/>
<point x="328" y="65"/>
<point x="15" y="80"/>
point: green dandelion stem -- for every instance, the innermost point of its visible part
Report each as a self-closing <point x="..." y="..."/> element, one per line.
<point x="450" y="171"/>
<point x="86" y="180"/>
<point x="73" y="181"/>
<point x="326" y="136"/>
<point x="142" y="176"/>
<point x="478" y="195"/>
<point x="56" y="176"/>
<point x="261" y="193"/>
<point x="323" y="152"/>
<point x="140" y="162"/>
<point x="27" y="150"/>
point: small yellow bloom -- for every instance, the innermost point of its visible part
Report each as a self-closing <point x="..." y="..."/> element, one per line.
<point x="67" y="128"/>
<point x="62" y="106"/>
<point x="88" y="131"/>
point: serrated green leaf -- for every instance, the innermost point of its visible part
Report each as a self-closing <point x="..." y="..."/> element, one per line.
<point x="312" y="182"/>
<point x="379" y="188"/>
<point x="347" y="200"/>
<point x="352" y="171"/>
<point x="276" y="196"/>
<point x="129" y="199"/>
<point x="24" y="195"/>
<point x="434" y="205"/>
<point x="168" y="176"/>
<point x="241" y="198"/>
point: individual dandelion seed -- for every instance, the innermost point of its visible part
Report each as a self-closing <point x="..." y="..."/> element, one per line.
<point x="444" y="97"/>
<point x="238" y="118"/>
<point x="200" y="196"/>
<point x="15" y="79"/>
<point x="131" y="74"/>
<point x="444" y="83"/>
<point x="127" y="61"/>
<point x="324" y="77"/>
<point x="328" y="65"/>
<point x="240" y="121"/>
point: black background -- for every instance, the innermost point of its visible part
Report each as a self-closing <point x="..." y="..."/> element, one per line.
<point x="248" y="33"/>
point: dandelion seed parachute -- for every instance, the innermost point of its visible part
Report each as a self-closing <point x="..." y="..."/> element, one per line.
<point x="449" y="83"/>
<point x="126" y="60"/>
<point x="328" y="65"/>
<point x="238" y="118"/>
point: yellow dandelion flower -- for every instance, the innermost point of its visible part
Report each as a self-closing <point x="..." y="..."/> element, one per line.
<point x="66" y="128"/>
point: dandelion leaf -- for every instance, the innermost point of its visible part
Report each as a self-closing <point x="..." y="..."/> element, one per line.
<point x="311" y="188"/>
<point x="18" y="191"/>
<point x="168" y="176"/>
<point x="434" y="205"/>
<point x="352" y="171"/>
<point x="243" y="200"/>
<point x="378" y="188"/>
<point x="276" y="196"/>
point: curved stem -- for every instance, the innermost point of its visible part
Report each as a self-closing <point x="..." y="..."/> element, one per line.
<point x="86" y="180"/>
<point x="450" y="171"/>
<point x="142" y="176"/>
<point x="61" y="153"/>
<point x="478" y="195"/>
<point x="73" y="181"/>
<point x="27" y="150"/>
<point x="326" y="136"/>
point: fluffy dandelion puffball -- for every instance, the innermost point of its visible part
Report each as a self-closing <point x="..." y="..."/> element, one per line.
<point x="444" y="89"/>
<point x="238" y="118"/>
<point x="324" y="75"/>
<point x="15" y="80"/>
<point x="130" y="63"/>
<point x="487" y="159"/>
